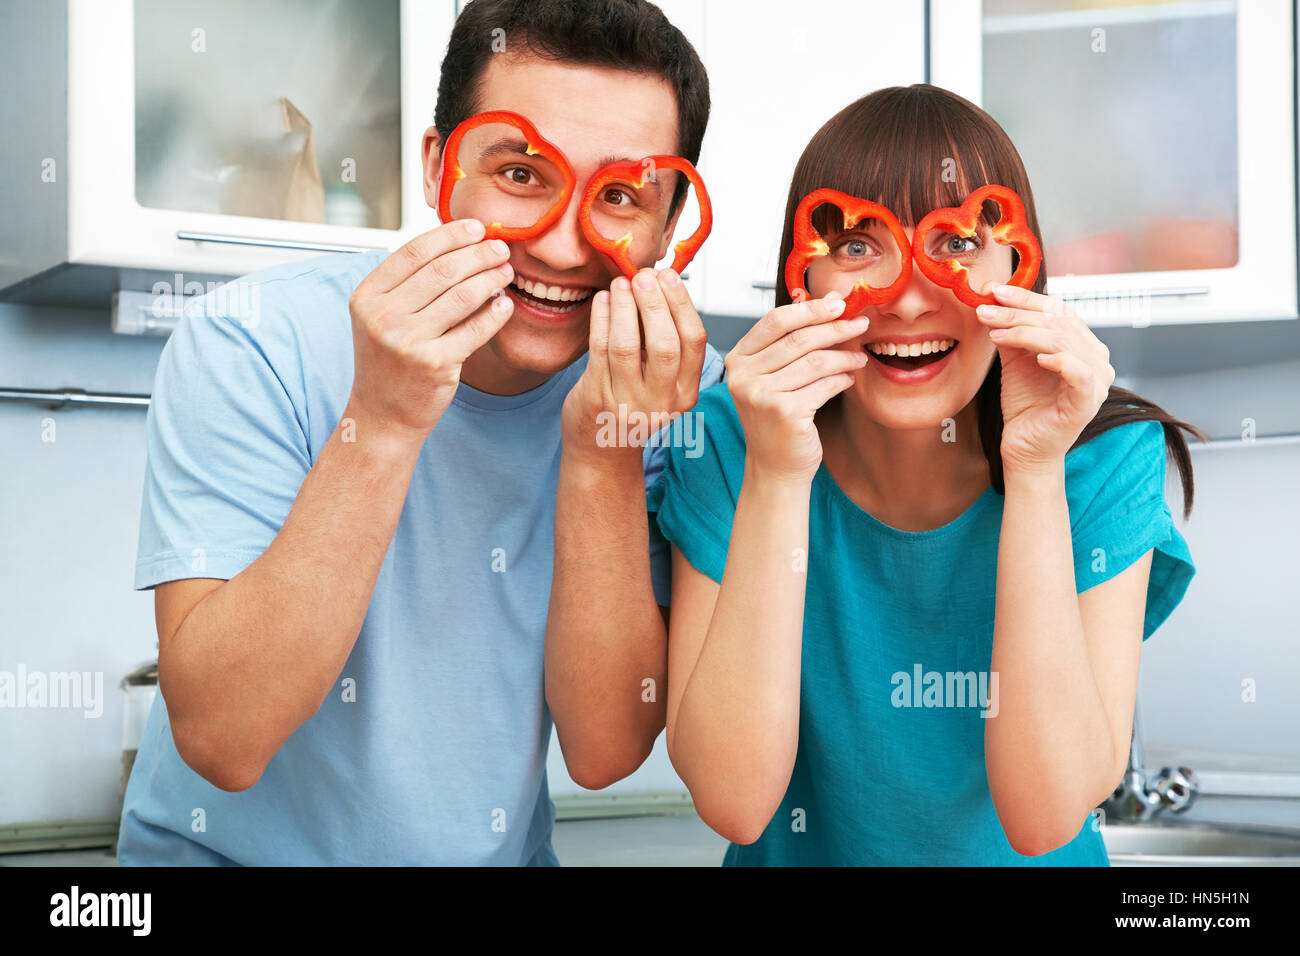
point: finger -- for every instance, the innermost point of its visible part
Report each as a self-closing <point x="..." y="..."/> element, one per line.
<point x="1019" y="298"/>
<point x="663" y="350"/>
<point x="445" y="272"/>
<point x="1001" y="316"/>
<point x="475" y="332"/>
<point x="598" y="342"/>
<point x="816" y="394"/>
<point x="1076" y="373"/>
<point x="786" y="318"/>
<point x="1031" y="338"/>
<point x="690" y="328"/>
<point x="809" y="338"/>
<point x="624" y="333"/>
<point x="409" y="258"/>
<point x="809" y="368"/>
<point x="462" y="300"/>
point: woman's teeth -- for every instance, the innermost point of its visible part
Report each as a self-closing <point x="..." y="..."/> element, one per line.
<point x="914" y="349"/>
<point x="551" y="298"/>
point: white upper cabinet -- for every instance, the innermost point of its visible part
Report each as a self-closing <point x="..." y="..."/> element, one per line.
<point x="778" y="70"/>
<point x="209" y="138"/>
<point x="1160" y="142"/>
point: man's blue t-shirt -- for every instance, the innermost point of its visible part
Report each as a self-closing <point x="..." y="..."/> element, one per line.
<point x="897" y="645"/>
<point x="431" y="749"/>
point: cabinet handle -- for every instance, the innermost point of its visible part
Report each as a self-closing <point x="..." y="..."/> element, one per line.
<point x="1135" y="293"/>
<point x="275" y="243"/>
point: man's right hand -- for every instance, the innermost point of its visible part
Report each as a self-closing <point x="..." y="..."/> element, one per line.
<point x="416" y="319"/>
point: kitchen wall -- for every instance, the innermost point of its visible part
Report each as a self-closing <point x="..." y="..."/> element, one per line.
<point x="69" y="510"/>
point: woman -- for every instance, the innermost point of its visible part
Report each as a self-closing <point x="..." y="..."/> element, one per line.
<point x="924" y="647"/>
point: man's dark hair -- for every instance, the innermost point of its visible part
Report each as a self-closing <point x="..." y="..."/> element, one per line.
<point x="631" y="35"/>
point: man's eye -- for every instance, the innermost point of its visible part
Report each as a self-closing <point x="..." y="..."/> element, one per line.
<point x="616" y="197"/>
<point x="519" y="176"/>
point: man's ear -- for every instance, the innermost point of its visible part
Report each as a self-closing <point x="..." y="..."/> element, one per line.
<point x="431" y="162"/>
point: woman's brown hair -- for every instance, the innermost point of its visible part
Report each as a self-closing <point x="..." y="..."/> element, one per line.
<point x="920" y="147"/>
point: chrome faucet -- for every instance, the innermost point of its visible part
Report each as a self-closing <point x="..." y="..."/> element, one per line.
<point x="1141" y="796"/>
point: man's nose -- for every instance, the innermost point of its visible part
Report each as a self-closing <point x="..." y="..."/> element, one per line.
<point x="564" y="246"/>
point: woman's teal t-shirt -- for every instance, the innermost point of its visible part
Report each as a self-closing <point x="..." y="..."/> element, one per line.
<point x="897" y="642"/>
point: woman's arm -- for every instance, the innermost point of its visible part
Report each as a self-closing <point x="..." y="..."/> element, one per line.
<point x="1066" y="663"/>
<point x="734" y="649"/>
<point x="734" y="663"/>
<point x="1067" y="670"/>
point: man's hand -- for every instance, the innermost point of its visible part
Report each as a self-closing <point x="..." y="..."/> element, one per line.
<point x="659" y="378"/>
<point x="417" y="318"/>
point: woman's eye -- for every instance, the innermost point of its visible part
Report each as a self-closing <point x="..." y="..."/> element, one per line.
<point x="855" y="248"/>
<point x="957" y="245"/>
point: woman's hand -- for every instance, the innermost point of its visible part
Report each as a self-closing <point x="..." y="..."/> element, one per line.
<point x="783" y="370"/>
<point x="1055" y="375"/>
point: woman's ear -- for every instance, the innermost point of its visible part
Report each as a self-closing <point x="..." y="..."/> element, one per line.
<point x="431" y="161"/>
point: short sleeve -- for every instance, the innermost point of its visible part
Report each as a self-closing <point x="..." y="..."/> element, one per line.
<point x="694" y="500"/>
<point x="656" y="454"/>
<point x="226" y="439"/>
<point x="1118" y="512"/>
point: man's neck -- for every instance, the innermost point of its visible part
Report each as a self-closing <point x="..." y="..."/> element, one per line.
<point x="486" y="371"/>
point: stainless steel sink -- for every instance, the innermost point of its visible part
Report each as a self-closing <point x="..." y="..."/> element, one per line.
<point x="1200" y="844"/>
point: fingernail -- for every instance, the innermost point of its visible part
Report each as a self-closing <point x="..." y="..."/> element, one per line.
<point x="998" y="333"/>
<point x="860" y="322"/>
<point x="499" y="247"/>
<point x="987" y="311"/>
<point x="834" y="306"/>
<point x="833" y="296"/>
<point x="622" y="285"/>
<point x="645" y="281"/>
<point x="1004" y="289"/>
<point x="669" y="277"/>
<point x="475" y="228"/>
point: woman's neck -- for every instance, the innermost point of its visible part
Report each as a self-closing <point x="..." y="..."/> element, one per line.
<point x="910" y="479"/>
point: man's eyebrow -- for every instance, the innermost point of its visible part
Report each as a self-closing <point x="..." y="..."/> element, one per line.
<point x="609" y="160"/>
<point x="505" y="147"/>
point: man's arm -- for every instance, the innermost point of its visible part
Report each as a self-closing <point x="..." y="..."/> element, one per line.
<point x="242" y="664"/>
<point x="606" y="635"/>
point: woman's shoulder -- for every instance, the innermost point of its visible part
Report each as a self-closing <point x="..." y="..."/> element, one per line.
<point x="1120" y="467"/>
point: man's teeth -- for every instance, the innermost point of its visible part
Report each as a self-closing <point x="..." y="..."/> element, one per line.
<point x="916" y="348"/>
<point x="552" y="293"/>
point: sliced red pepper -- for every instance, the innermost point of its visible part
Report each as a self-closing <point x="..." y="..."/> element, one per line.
<point x="1012" y="230"/>
<point x="537" y="146"/>
<point x="637" y="173"/>
<point x="809" y="245"/>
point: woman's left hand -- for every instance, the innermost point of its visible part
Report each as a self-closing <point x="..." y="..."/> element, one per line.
<point x="1055" y="375"/>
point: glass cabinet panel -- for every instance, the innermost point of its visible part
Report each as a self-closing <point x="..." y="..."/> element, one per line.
<point x="1126" y="117"/>
<point x="287" y="110"/>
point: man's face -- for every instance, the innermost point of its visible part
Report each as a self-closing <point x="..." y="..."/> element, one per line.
<point x="594" y="116"/>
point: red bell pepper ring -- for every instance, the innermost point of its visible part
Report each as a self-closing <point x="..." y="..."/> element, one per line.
<point x="537" y="146"/>
<point x="809" y="244"/>
<point x="637" y="174"/>
<point x="1012" y="230"/>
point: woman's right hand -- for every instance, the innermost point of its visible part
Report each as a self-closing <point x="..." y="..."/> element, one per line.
<point x="785" y="368"/>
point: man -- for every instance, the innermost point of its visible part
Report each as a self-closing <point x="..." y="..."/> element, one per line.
<point x="350" y="525"/>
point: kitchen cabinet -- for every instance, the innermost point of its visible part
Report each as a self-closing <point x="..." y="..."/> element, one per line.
<point x="778" y="71"/>
<point x="1160" y="142"/>
<point x="189" y="141"/>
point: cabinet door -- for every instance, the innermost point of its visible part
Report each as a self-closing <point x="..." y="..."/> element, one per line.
<point x="778" y="70"/>
<point x="1159" y="138"/>
<point x="222" y="136"/>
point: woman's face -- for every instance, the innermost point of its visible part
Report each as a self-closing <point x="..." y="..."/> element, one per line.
<point x="905" y="391"/>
